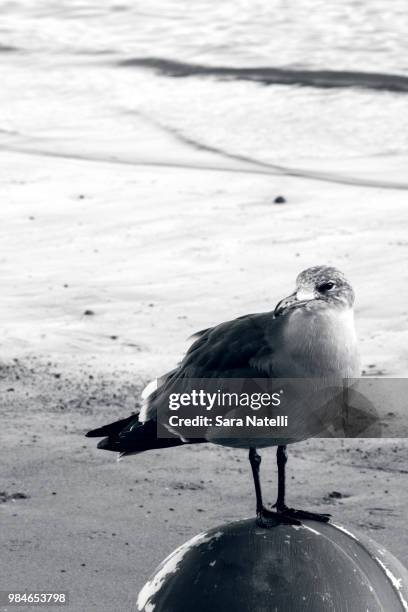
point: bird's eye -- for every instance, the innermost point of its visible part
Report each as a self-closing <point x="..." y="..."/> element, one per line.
<point x="325" y="287"/>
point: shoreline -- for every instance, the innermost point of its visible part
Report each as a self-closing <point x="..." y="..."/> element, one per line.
<point x="267" y="75"/>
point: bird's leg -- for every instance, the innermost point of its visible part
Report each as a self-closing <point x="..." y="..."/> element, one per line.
<point x="281" y="507"/>
<point x="255" y="461"/>
<point x="281" y="460"/>
<point x="264" y="517"/>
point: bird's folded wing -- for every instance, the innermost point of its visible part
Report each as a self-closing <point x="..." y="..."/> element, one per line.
<point x="241" y="348"/>
<point x="231" y="346"/>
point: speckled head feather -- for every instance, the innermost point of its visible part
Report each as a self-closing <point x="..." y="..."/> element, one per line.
<point x="317" y="287"/>
<point x="328" y="284"/>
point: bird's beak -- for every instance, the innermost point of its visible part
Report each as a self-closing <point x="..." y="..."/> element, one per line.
<point x="300" y="296"/>
<point x="305" y="295"/>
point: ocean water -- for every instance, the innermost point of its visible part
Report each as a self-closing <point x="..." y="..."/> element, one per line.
<point x="279" y="82"/>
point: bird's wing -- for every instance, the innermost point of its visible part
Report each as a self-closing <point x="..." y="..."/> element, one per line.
<point x="231" y="348"/>
<point x="241" y="348"/>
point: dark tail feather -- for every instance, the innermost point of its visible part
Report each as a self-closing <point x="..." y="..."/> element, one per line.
<point x="112" y="429"/>
<point x="135" y="437"/>
<point x="139" y="440"/>
<point x="129" y="436"/>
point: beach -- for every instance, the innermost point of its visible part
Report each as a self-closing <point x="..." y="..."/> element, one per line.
<point x="97" y="528"/>
<point x="139" y="206"/>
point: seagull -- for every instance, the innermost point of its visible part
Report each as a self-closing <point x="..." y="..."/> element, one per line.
<point x="309" y="334"/>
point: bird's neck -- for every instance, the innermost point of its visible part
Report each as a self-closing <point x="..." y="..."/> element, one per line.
<point x="322" y="342"/>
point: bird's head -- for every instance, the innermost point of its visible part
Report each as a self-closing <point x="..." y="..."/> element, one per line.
<point x="318" y="286"/>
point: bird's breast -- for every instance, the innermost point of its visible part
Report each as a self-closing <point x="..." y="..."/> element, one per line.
<point x="318" y="342"/>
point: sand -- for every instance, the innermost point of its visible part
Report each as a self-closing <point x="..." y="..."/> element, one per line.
<point x="107" y="268"/>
